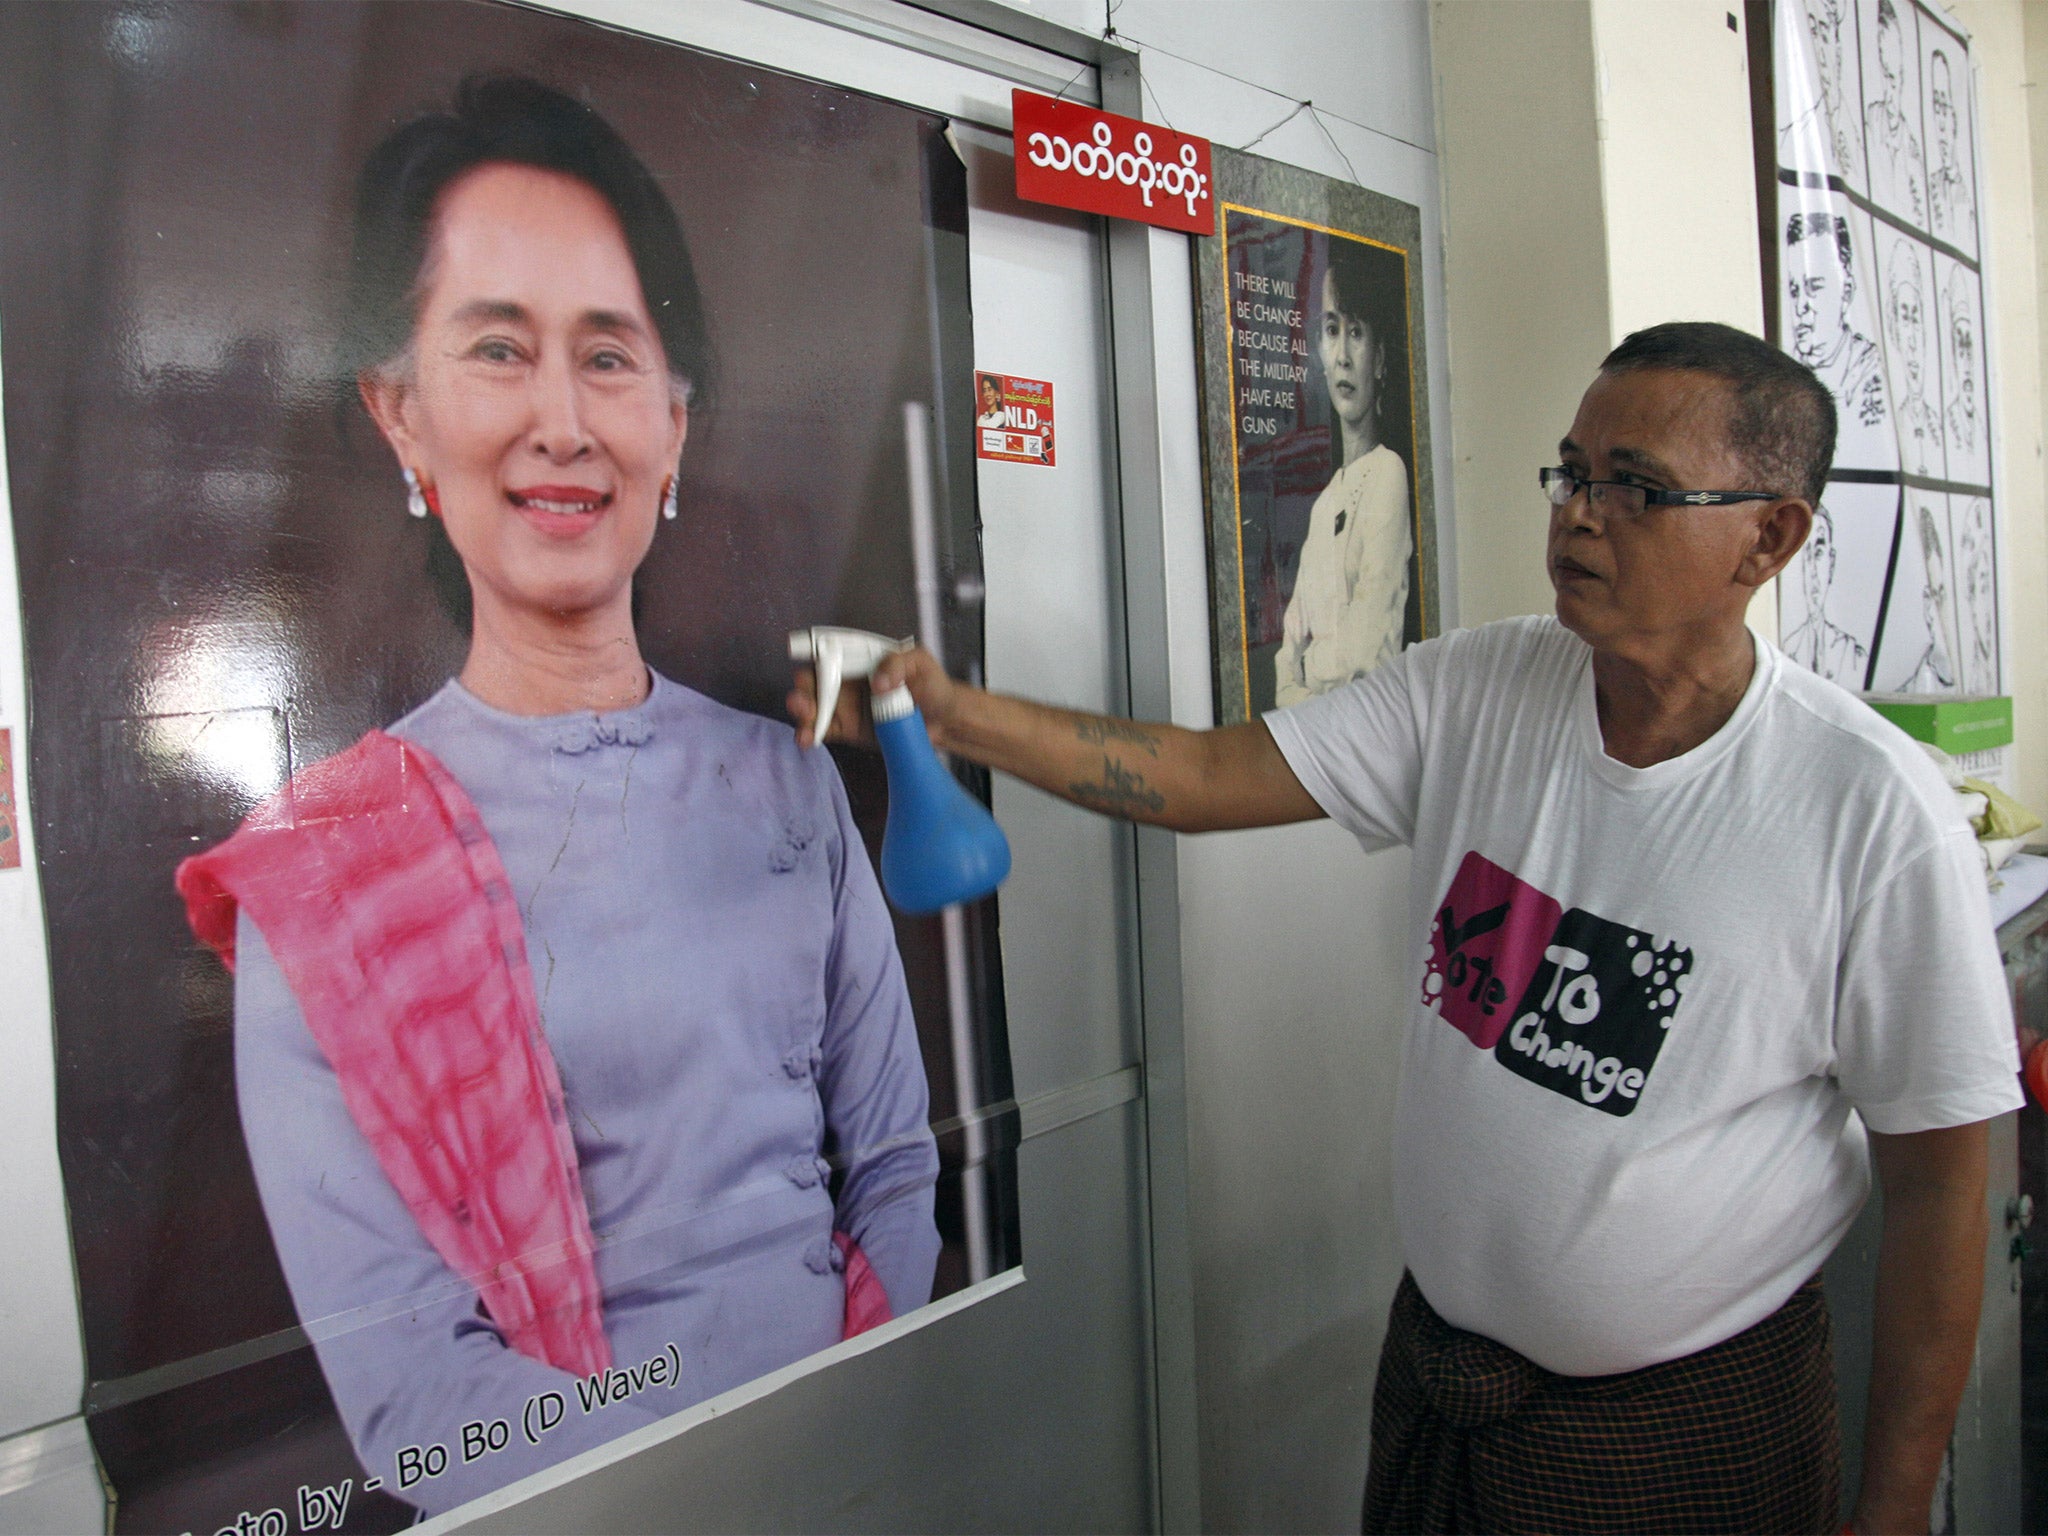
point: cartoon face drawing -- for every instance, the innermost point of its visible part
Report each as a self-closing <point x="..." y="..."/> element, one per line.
<point x="1818" y="572"/>
<point x="1906" y="314"/>
<point x="1978" y="599"/>
<point x="1942" y="109"/>
<point x="1950" y="197"/>
<point x="1937" y="669"/>
<point x="1818" y="641"/>
<point x="1962" y="362"/>
<point x="1891" y="56"/>
<point x="1825" y="24"/>
<point x="1892" y="122"/>
<point x="1819" y="283"/>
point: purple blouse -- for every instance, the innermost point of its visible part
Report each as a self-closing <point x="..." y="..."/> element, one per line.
<point x="719" y="982"/>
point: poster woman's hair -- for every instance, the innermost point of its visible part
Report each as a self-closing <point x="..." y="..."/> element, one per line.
<point x="1369" y="284"/>
<point x="510" y="120"/>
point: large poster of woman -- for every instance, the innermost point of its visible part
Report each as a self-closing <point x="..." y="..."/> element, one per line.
<point x="480" y="1030"/>
<point x="1322" y="538"/>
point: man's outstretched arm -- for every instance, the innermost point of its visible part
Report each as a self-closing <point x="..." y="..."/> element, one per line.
<point x="1164" y="775"/>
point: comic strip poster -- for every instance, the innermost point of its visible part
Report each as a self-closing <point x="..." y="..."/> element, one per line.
<point x="1876" y="251"/>
<point x="464" y="1061"/>
<point x="1322" y="531"/>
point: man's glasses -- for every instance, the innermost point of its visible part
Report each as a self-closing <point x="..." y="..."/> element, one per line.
<point x="1618" y="498"/>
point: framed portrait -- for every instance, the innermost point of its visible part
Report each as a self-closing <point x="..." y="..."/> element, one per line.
<point x="1316" y="448"/>
<point x="459" y="1069"/>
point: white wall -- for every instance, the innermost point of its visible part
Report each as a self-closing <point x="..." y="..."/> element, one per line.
<point x="1525" y="232"/>
<point x="1677" y="175"/>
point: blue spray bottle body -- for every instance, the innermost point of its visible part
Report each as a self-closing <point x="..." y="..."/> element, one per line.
<point x="940" y="846"/>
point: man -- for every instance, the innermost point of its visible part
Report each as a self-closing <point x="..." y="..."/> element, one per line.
<point x="1820" y="291"/>
<point x="1682" y="906"/>
<point x="1817" y="641"/>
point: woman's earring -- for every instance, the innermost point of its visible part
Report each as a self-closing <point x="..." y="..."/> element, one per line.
<point x="668" y="499"/>
<point x="415" y="498"/>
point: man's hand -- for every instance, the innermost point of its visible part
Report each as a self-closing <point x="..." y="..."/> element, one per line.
<point x="1189" y="781"/>
<point x="1930" y="1283"/>
<point x="933" y="691"/>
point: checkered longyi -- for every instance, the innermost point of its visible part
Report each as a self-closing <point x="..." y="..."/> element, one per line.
<point x="1468" y="1435"/>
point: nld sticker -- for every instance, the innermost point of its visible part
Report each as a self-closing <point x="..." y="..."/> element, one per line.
<point x="1013" y="419"/>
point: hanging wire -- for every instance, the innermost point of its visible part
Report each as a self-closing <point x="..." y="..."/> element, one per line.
<point x="1312" y="112"/>
<point x="1132" y="42"/>
<point x="1299" y="108"/>
<point x="1146" y="88"/>
<point x="1157" y="105"/>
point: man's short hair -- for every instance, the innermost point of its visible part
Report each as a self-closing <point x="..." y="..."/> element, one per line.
<point x="1811" y="226"/>
<point x="1783" y="423"/>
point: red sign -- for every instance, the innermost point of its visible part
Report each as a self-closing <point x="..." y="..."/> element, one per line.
<point x="1076" y="157"/>
<point x="1012" y="419"/>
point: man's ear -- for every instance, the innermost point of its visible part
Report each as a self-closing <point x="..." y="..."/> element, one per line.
<point x="386" y="397"/>
<point x="1780" y="532"/>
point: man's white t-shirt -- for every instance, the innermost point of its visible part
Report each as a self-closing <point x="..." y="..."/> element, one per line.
<point x="1646" y="999"/>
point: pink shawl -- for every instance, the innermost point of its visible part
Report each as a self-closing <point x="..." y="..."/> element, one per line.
<point x="383" y="898"/>
<point x="389" y="912"/>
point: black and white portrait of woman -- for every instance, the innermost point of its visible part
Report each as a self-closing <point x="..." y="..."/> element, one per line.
<point x="1346" y="613"/>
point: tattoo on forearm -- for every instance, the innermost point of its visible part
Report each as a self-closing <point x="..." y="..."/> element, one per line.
<point x="1122" y="792"/>
<point x="1100" y="733"/>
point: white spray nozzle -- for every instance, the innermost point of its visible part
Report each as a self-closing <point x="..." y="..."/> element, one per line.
<point x="838" y="654"/>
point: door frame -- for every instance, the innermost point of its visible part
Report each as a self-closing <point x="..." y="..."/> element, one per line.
<point x="1141" y="513"/>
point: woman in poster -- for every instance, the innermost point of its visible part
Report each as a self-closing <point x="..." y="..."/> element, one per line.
<point x="1351" y="588"/>
<point x="991" y="403"/>
<point x="573" y="1049"/>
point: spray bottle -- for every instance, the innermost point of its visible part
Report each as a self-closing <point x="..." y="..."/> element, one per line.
<point x="941" y="845"/>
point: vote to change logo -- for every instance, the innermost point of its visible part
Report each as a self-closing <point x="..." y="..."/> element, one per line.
<point x="1596" y="998"/>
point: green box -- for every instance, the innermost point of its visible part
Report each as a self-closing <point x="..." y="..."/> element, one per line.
<point x="1956" y="724"/>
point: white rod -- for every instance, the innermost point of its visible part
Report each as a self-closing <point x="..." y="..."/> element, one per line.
<point x="924" y="556"/>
